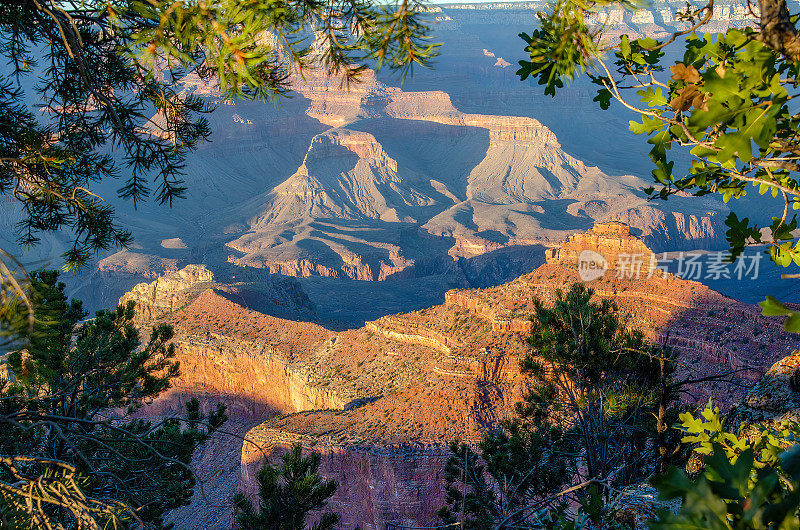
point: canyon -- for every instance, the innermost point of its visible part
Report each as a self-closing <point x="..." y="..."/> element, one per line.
<point x="360" y="207"/>
<point x="355" y="269"/>
<point x="458" y="177"/>
<point x="382" y="402"/>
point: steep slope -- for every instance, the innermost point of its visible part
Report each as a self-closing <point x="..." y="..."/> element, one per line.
<point x="330" y="216"/>
<point x="345" y="175"/>
<point x="511" y="184"/>
<point x="381" y="402"/>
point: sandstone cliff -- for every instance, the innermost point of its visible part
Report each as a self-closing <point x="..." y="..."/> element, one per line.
<point x="467" y="379"/>
<point x="613" y="243"/>
<point x="176" y="289"/>
<point x="169" y="292"/>
<point x="775" y="397"/>
<point x="382" y="402"/>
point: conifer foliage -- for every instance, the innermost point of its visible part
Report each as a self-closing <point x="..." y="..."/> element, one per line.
<point x="593" y="423"/>
<point x="72" y="453"/>
<point x="288" y="495"/>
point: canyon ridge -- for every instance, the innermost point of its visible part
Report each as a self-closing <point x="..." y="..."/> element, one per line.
<point x="459" y="177"/>
<point x="382" y="402"/>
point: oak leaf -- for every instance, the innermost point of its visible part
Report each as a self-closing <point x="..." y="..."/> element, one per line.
<point x="686" y="73"/>
<point x="688" y="97"/>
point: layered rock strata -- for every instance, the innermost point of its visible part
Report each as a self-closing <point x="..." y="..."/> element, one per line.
<point x="613" y="243"/>
<point x="372" y="197"/>
<point x="382" y="402"/>
<point x="168" y="293"/>
<point x="692" y="318"/>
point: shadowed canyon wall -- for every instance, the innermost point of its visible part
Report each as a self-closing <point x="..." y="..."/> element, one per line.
<point x="382" y="402"/>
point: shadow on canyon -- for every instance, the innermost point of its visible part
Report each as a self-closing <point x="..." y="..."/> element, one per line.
<point x="712" y="335"/>
<point x="217" y="462"/>
<point x="346" y="303"/>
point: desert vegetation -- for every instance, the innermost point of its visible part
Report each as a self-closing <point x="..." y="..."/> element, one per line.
<point x="93" y="92"/>
<point x="602" y="423"/>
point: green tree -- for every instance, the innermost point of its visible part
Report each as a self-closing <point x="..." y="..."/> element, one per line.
<point x="596" y="383"/>
<point x="595" y="420"/>
<point x="66" y="432"/>
<point x="750" y="478"/>
<point x="493" y="487"/>
<point x="727" y="102"/>
<point x="288" y="495"/>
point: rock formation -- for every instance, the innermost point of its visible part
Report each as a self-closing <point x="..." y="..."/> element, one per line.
<point x="382" y="402"/>
<point x="613" y="242"/>
<point x="176" y="289"/>
<point x="775" y="397"/>
<point x="475" y="340"/>
<point x="168" y="293"/>
<point x="372" y="197"/>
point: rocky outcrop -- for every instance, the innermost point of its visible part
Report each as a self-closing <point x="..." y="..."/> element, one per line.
<point x="377" y="262"/>
<point x="275" y="295"/>
<point x="775" y="397"/>
<point x="258" y="381"/>
<point x="169" y="292"/>
<point x="710" y="331"/>
<point x="687" y="228"/>
<point x="613" y="243"/>
<point x="403" y="331"/>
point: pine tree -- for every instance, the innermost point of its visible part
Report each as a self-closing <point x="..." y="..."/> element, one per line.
<point x="66" y="431"/>
<point x="588" y="425"/>
<point x="288" y="495"/>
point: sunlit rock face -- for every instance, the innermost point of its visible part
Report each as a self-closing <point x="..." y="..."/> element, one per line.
<point x="168" y="292"/>
<point x="613" y="241"/>
<point x="175" y="290"/>
<point x="423" y="378"/>
<point x="775" y="397"/>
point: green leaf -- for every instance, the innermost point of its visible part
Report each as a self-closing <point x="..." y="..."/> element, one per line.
<point x="792" y="324"/>
<point x="771" y="307"/>
<point x="734" y="145"/>
<point x="649" y="124"/>
<point x="653" y="97"/>
<point x="624" y="46"/>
